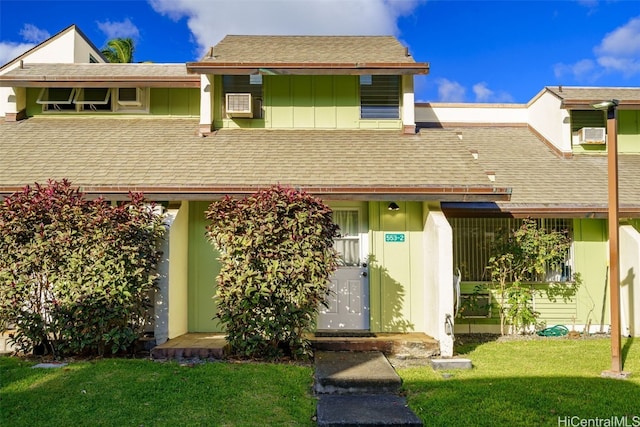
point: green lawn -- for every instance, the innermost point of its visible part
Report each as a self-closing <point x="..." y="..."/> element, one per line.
<point x="551" y="382"/>
<point x="517" y="383"/>
<point x="121" y="392"/>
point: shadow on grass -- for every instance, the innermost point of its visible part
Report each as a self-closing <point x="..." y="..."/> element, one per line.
<point x="521" y="401"/>
<point x="625" y="352"/>
<point x="466" y="343"/>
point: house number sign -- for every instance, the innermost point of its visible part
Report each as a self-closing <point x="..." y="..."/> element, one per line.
<point x="394" y="237"/>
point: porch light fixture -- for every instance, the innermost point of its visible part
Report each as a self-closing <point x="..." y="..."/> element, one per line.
<point x="393" y="206"/>
<point x="611" y="107"/>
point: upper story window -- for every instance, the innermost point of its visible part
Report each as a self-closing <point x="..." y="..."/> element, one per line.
<point x="379" y="97"/>
<point x="94" y="99"/>
<point x="245" y="84"/>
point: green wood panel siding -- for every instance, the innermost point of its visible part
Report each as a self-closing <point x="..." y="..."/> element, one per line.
<point x="346" y="94"/>
<point x="303" y="102"/>
<point x="163" y="101"/>
<point x="325" y="111"/>
<point x="279" y="106"/>
<point x="203" y="270"/>
<point x="395" y="276"/>
<point x="629" y="131"/>
<point x="175" y="101"/>
<point x="590" y="260"/>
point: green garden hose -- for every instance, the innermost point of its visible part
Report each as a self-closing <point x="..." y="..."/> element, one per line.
<point x="554" y="331"/>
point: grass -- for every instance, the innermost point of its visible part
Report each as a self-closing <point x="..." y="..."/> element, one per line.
<point x="513" y="383"/>
<point x="121" y="392"/>
<point x="529" y="383"/>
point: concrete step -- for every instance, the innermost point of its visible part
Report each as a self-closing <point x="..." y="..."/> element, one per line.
<point x="338" y="372"/>
<point x="365" y="410"/>
<point x="414" y="345"/>
<point x="192" y="346"/>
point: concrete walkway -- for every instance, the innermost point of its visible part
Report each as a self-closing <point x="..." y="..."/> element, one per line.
<point x="359" y="389"/>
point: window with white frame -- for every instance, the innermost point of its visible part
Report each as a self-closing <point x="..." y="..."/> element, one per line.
<point x="57" y="98"/>
<point x="99" y="99"/>
<point x="473" y="240"/>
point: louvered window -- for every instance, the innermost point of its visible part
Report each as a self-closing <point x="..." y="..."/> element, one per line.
<point x="473" y="239"/>
<point x="587" y="119"/>
<point x="379" y="97"/>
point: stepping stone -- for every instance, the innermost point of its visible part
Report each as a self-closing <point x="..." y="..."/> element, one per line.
<point x="446" y="364"/>
<point x="344" y="372"/>
<point x="365" y="410"/>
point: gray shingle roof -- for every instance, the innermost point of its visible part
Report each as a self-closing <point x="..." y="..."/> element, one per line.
<point x="589" y="95"/>
<point x="167" y="152"/>
<point x="538" y="176"/>
<point x="310" y="49"/>
<point x="54" y="73"/>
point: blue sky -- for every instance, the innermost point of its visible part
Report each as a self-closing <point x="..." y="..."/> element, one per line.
<point x="479" y="51"/>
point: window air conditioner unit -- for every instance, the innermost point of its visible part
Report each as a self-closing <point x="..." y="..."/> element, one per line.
<point x="592" y="136"/>
<point x="238" y="105"/>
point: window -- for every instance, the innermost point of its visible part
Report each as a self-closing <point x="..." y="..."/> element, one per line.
<point x="587" y="118"/>
<point x="348" y="243"/>
<point x="92" y="59"/>
<point x="57" y="98"/>
<point x="379" y="97"/>
<point x="130" y="96"/>
<point x="473" y="239"/>
<point x="245" y="84"/>
<point x="94" y="98"/>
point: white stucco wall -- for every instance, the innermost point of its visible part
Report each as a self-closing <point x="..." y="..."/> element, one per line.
<point x="67" y="47"/>
<point x="471" y="113"/>
<point x="546" y="116"/>
<point x="438" y="267"/>
<point x="629" y="281"/>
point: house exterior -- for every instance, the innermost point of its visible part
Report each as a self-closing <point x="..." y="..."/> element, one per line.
<point x="69" y="46"/>
<point x="558" y="178"/>
<point x="336" y="117"/>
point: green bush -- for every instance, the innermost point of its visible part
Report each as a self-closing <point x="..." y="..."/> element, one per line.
<point x="276" y="251"/>
<point x="75" y="274"/>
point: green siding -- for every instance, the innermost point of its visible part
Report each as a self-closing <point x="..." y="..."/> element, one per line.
<point x="175" y="102"/>
<point x="395" y="273"/>
<point x="590" y="260"/>
<point x="629" y="131"/>
<point x="163" y="101"/>
<point x="203" y="270"/>
<point x="306" y="102"/>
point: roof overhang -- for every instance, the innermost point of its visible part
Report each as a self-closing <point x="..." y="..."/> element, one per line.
<point x="360" y="193"/>
<point x="278" y="68"/>
<point x="103" y="81"/>
<point x="581" y="104"/>
<point x="508" y="210"/>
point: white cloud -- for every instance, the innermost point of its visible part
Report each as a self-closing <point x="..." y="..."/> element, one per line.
<point x="32" y="34"/>
<point x="123" y="29"/>
<point x="584" y="70"/>
<point x="450" y="91"/>
<point x="210" y="21"/>
<point x="619" y="51"/>
<point x="11" y="50"/>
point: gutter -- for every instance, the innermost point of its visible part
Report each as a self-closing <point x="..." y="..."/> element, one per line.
<point x="412" y="193"/>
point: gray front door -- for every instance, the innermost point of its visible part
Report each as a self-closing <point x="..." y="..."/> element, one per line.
<point x="348" y="303"/>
